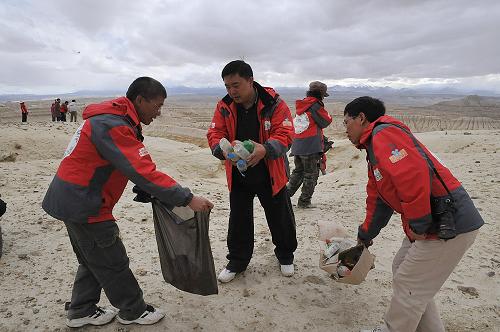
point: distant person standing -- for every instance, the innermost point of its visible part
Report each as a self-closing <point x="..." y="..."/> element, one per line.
<point x="64" y="111"/>
<point x="307" y="147"/>
<point x="57" y="109"/>
<point x="53" y="111"/>
<point x="24" y="112"/>
<point x="72" y="108"/>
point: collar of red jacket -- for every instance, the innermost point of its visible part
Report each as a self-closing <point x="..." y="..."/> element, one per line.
<point x="303" y="105"/>
<point x="119" y="106"/>
<point x="366" y="136"/>
<point x="266" y="96"/>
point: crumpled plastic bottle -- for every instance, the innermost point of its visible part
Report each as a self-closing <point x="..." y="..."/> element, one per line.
<point x="225" y="145"/>
<point x="241" y="151"/>
<point x="242" y="165"/>
<point x="237" y="152"/>
<point x="228" y="149"/>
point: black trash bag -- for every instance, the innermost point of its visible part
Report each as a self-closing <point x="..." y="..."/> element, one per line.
<point x="184" y="248"/>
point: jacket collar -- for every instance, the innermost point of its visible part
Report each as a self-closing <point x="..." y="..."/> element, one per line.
<point x="367" y="133"/>
<point x="119" y="106"/>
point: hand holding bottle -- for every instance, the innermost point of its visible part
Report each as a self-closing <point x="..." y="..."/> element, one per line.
<point x="259" y="152"/>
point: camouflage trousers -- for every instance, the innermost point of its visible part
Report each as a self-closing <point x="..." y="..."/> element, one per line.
<point x="306" y="173"/>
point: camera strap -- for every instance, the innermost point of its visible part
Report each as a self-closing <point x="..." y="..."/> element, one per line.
<point x="422" y="152"/>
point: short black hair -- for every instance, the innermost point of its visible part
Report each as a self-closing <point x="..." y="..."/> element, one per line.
<point x="239" y="67"/>
<point x="147" y="87"/>
<point x="372" y="108"/>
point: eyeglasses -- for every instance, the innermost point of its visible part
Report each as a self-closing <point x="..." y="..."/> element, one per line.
<point x="349" y="118"/>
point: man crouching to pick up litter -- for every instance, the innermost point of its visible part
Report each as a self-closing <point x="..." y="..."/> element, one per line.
<point x="105" y="152"/>
<point x="439" y="219"/>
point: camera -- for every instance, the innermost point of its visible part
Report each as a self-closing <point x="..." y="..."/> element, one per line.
<point x="442" y="214"/>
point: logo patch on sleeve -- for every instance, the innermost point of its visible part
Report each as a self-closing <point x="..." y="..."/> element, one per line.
<point x="212" y="125"/>
<point x="287" y="123"/>
<point x="74" y="140"/>
<point x="267" y="125"/>
<point x="397" y="155"/>
<point x="377" y="174"/>
<point x="143" y="152"/>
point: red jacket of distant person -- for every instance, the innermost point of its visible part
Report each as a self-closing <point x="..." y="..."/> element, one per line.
<point x="310" y="119"/>
<point x="24" y="109"/>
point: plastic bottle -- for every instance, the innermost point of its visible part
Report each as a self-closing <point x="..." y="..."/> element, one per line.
<point x="248" y="144"/>
<point x="233" y="156"/>
<point x="228" y="149"/>
<point x="331" y="249"/>
<point x="225" y="145"/>
<point x="343" y="271"/>
<point x="241" y="151"/>
<point x="242" y="165"/>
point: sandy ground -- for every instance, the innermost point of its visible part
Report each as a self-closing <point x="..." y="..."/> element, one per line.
<point x="38" y="265"/>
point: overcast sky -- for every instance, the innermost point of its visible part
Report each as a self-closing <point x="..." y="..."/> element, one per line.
<point x="56" y="46"/>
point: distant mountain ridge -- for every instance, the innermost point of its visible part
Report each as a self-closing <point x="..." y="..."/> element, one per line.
<point x="472" y="101"/>
<point x="338" y="90"/>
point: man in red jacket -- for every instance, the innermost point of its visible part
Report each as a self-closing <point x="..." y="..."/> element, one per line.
<point x="104" y="153"/>
<point x="252" y="112"/>
<point x="24" y="112"/>
<point x="307" y="147"/>
<point x="438" y="216"/>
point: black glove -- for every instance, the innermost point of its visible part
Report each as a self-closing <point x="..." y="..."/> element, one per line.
<point x="350" y="257"/>
<point x="366" y="243"/>
<point x="142" y="196"/>
<point x="327" y="144"/>
<point x="3" y="207"/>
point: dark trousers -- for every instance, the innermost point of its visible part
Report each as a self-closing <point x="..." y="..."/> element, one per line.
<point x="279" y="216"/>
<point x="24" y="117"/>
<point x="63" y="117"/>
<point x="104" y="264"/>
<point x="306" y="173"/>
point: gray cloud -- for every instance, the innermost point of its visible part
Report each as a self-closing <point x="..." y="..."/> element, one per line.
<point x="93" y="44"/>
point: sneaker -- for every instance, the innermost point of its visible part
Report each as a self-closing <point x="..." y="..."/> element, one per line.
<point x="101" y="316"/>
<point x="226" y="276"/>
<point x="150" y="316"/>
<point x="287" y="270"/>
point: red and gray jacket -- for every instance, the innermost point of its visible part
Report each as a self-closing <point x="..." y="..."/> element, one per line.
<point x="276" y="130"/>
<point x="310" y="119"/>
<point x="104" y="153"/>
<point x="400" y="179"/>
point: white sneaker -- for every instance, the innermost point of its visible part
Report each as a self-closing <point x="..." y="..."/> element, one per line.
<point x="150" y="316"/>
<point x="287" y="270"/>
<point x="100" y="317"/>
<point x="226" y="276"/>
